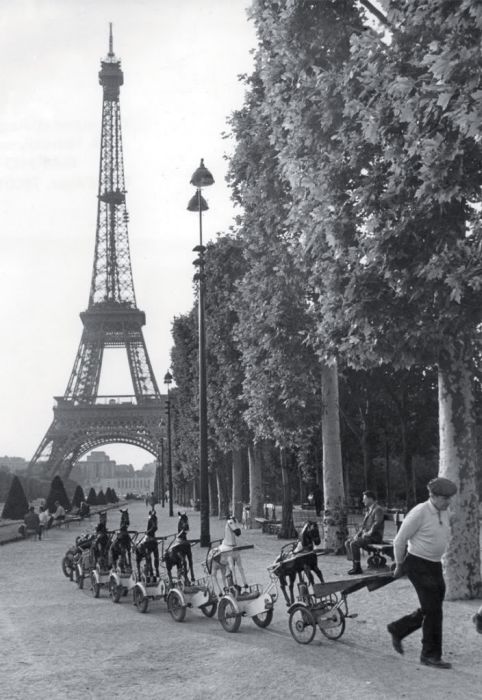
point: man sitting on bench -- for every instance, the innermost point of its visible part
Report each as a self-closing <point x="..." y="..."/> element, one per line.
<point x="370" y="532"/>
<point x="31" y="524"/>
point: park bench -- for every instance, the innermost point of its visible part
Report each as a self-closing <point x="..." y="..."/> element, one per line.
<point x="378" y="552"/>
<point x="269" y="527"/>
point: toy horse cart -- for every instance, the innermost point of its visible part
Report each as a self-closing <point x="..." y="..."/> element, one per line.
<point x="327" y="606"/>
<point x="149" y="584"/>
<point x="101" y="570"/>
<point x="121" y="579"/>
<point x="84" y="559"/>
<point x="253" y="601"/>
<point x="186" y="592"/>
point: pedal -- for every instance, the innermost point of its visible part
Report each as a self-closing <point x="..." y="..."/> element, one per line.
<point x="352" y="615"/>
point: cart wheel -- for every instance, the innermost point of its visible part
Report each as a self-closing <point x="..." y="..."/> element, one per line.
<point x="140" y="600"/>
<point x="115" y="591"/>
<point x="175" y="606"/>
<point x="332" y="623"/>
<point x="302" y="624"/>
<point x="263" y="619"/>
<point x="95" y="587"/>
<point x="67" y="567"/>
<point x="227" y="615"/>
<point x="209" y="608"/>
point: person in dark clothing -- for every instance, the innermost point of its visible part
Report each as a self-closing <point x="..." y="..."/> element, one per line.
<point x="370" y="532"/>
<point x="31" y="523"/>
<point x="418" y="548"/>
<point x="318" y="499"/>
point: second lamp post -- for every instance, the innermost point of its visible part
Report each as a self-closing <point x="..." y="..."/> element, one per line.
<point x="202" y="178"/>
<point x="167" y="382"/>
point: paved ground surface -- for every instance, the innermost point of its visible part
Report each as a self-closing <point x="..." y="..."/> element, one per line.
<point x="59" y="642"/>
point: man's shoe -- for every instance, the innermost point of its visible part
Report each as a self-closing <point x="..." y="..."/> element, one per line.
<point x="435" y="663"/>
<point x="356" y="570"/>
<point x="396" y="640"/>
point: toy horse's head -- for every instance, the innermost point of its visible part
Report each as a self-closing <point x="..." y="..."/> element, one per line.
<point x="233" y="525"/>
<point x="310" y="534"/>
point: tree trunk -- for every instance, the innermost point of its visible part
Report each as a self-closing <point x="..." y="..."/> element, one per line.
<point x="334" y="516"/>
<point x="237" y="492"/>
<point x="255" y="483"/>
<point x="223" y="489"/>
<point x="287" y="531"/>
<point x="457" y="462"/>
<point x="213" y="493"/>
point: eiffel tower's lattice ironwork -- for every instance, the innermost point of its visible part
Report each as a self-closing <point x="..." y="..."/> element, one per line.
<point x="83" y="419"/>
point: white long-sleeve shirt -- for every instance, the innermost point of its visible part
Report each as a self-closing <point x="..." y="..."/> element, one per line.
<point x="425" y="531"/>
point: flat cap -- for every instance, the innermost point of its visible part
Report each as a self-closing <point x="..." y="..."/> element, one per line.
<point x="442" y="487"/>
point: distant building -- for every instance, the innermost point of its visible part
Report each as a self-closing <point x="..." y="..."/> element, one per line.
<point x="137" y="484"/>
<point x="14" y="464"/>
<point x="100" y="472"/>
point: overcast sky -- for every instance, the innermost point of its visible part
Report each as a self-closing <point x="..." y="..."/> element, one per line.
<point x="180" y="59"/>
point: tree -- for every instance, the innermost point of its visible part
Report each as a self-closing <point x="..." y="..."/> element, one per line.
<point x="16" y="504"/>
<point x="184" y="416"/>
<point x="78" y="496"/>
<point x="410" y="152"/>
<point x="101" y="499"/>
<point x="303" y="47"/>
<point x="279" y="367"/>
<point x="57" y="493"/>
<point x="92" y="497"/>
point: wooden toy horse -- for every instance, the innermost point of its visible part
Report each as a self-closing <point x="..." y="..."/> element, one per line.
<point x="121" y="548"/>
<point x="299" y="559"/>
<point x="100" y="547"/>
<point x="179" y="554"/>
<point x="124" y="518"/>
<point x="226" y="557"/>
<point x="146" y="549"/>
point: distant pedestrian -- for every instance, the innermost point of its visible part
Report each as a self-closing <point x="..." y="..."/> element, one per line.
<point x="152" y="522"/>
<point x="425" y="533"/>
<point x="318" y="499"/>
<point x="31" y="523"/>
<point x="58" y="516"/>
<point x="44" y="518"/>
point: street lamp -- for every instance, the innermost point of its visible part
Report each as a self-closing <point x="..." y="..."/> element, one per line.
<point x="162" y="466"/>
<point x="202" y="178"/>
<point x="167" y="381"/>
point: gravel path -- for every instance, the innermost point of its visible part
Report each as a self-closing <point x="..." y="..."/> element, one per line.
<point x="59" y="642"/>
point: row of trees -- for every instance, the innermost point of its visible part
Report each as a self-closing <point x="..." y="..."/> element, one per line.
<point x="350" y="284"/>
<point x="17" y="503"/>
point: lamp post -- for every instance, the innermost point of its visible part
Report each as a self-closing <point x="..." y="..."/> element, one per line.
<point x="163" y="466"/>
<point x="167" y="381"/>
<point x="202" y="178"/>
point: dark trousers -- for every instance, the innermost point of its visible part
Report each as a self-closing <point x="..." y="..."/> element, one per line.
<point x="427" y="579"/>
<point x="355" y="544"/>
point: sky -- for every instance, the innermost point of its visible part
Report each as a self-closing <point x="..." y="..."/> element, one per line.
<point x="181" y="61"/>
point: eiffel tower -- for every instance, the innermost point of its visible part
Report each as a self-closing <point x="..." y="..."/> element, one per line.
<point x="83" y="419"/>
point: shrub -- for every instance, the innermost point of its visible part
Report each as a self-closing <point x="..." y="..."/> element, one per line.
<point x="16" y="504"/>
<point x="92" y="498"/>
<point x="78" y="496"/>
<point x="57" y="493"/>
